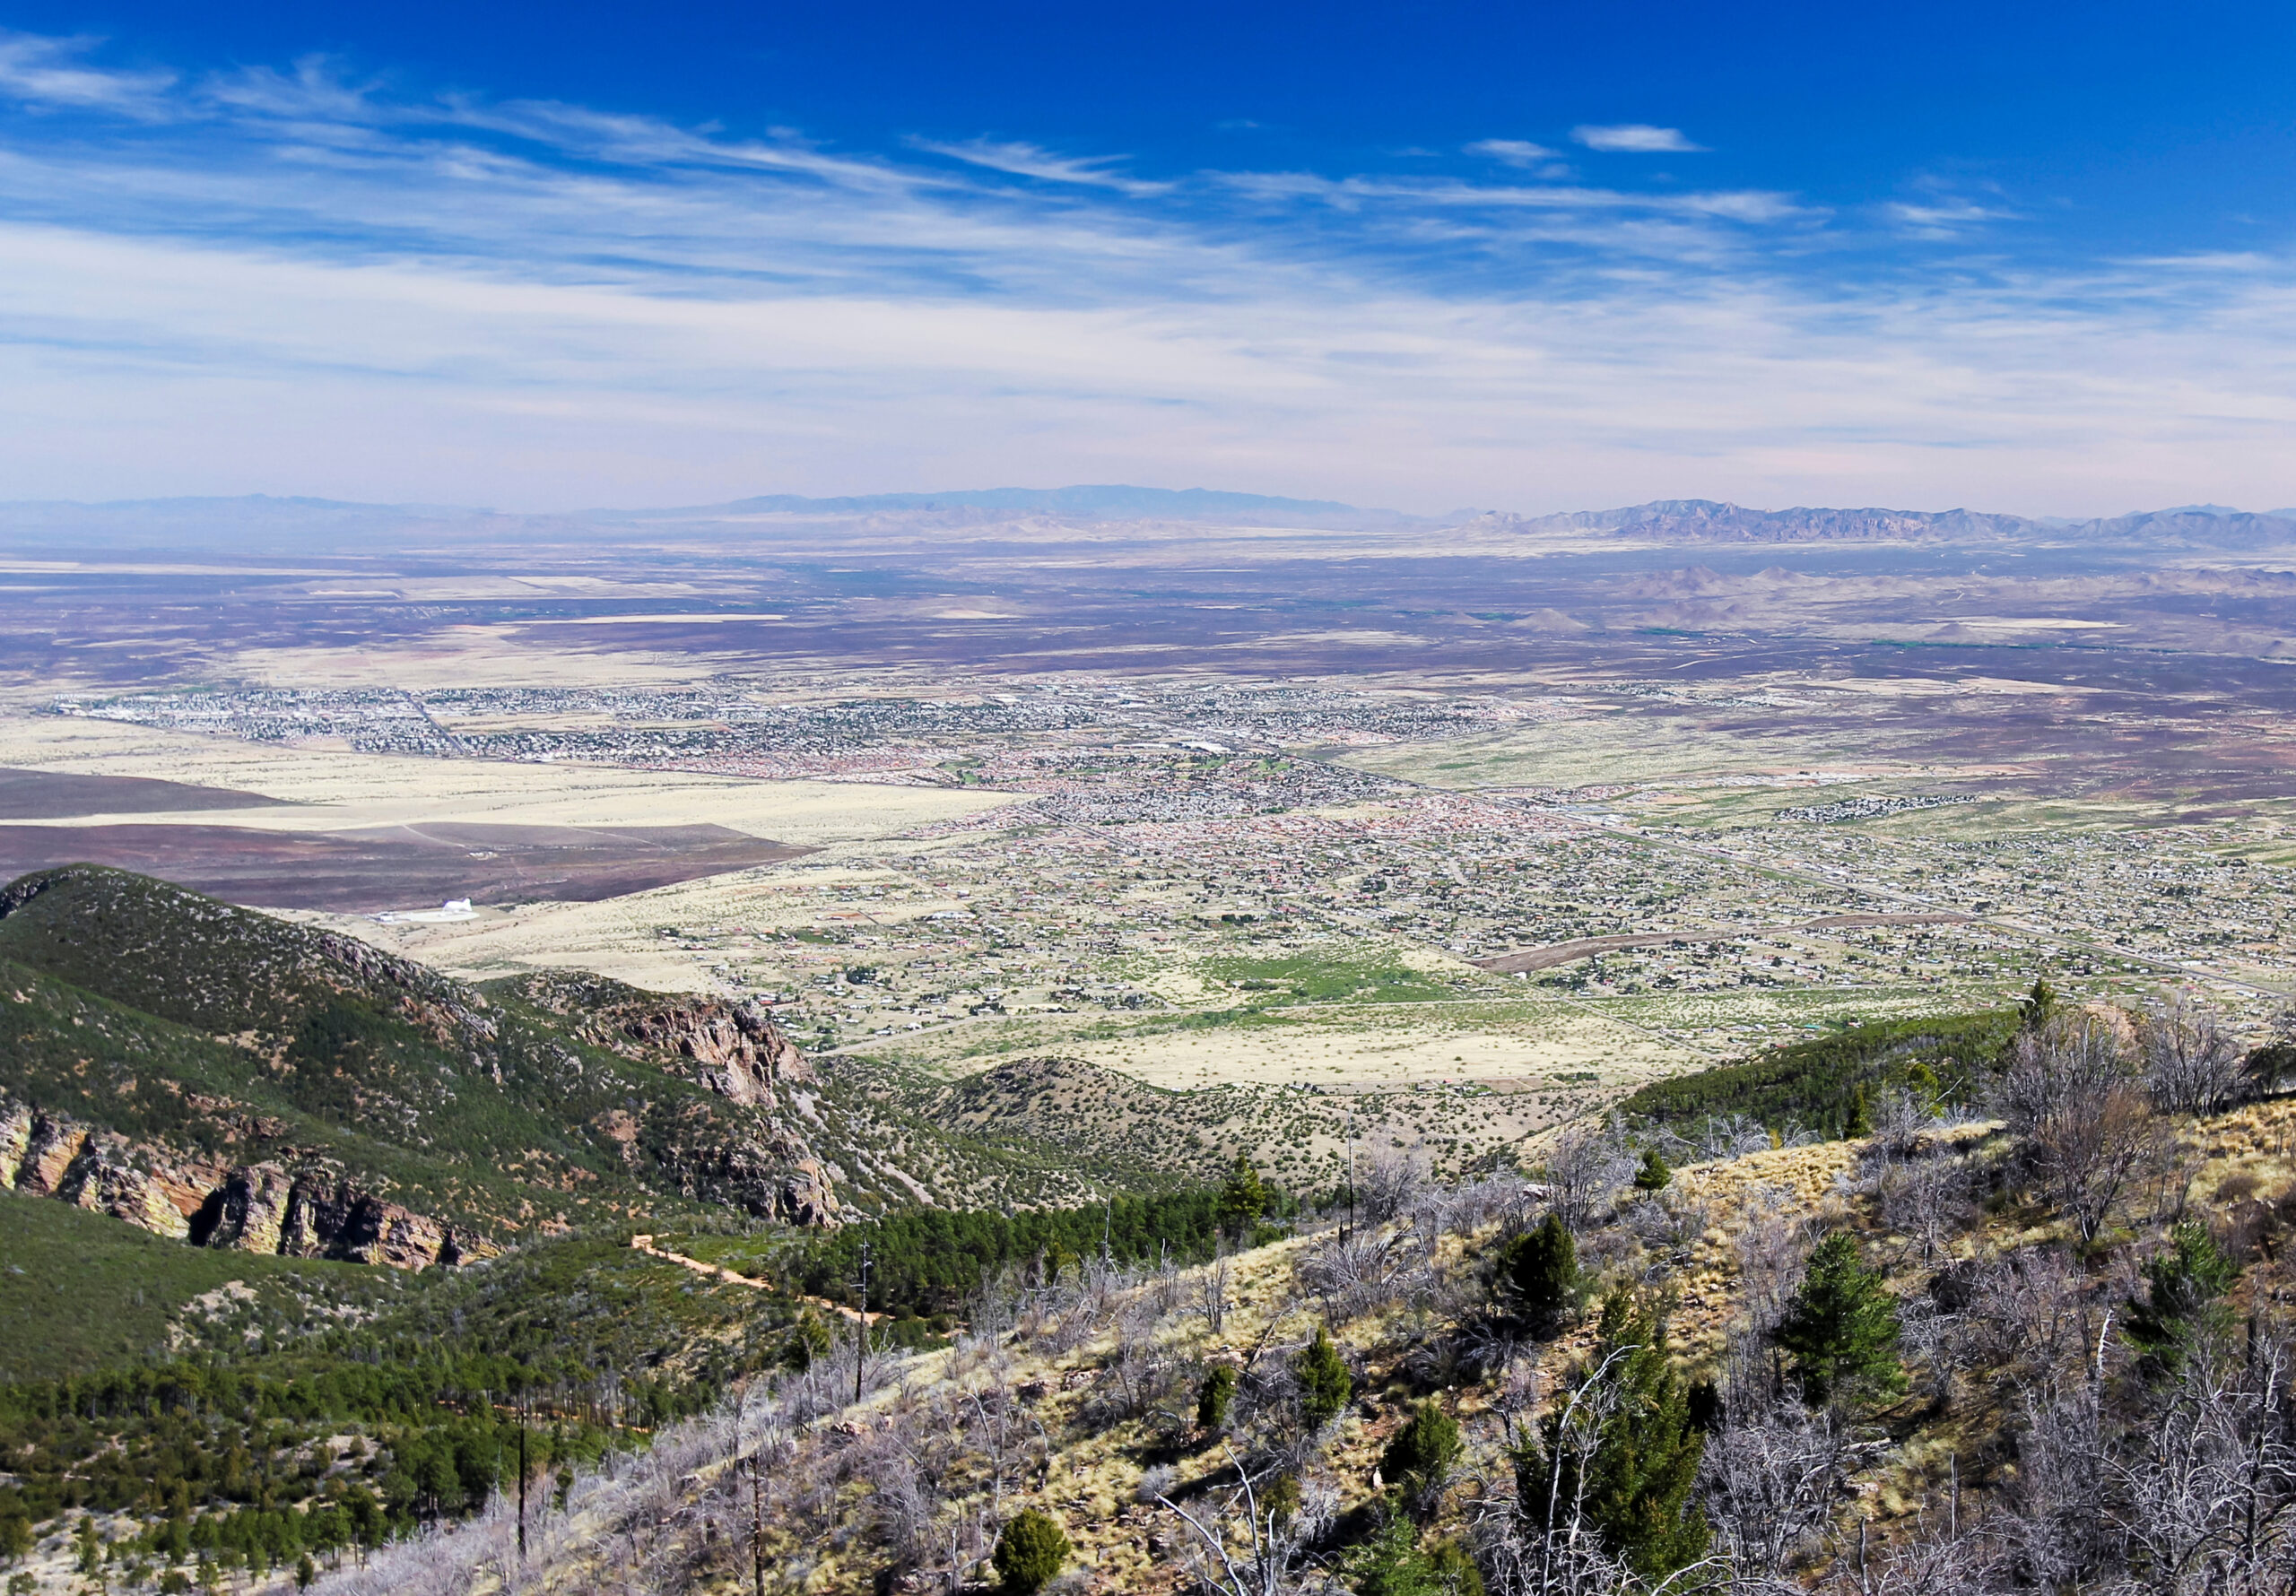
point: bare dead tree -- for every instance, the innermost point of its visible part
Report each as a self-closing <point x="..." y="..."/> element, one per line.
<point x="1925" y="1199"/>
<point x="2206" y="1502"/>
<point x="1388" y="1184"/>
<point x="1771" y="1483"/>
<point x="1212" y="1287"/>
<point x="1669" y="1222"/>
<point x="1241" y="1547"/>
<point x="1354" y="1272"/>
<point x="2192" y="1064"/>
<point x="1585" y="1171"/>
<point x="2027" y="1318"/>
<point x="1899" y="1120"/>
<point x="1771" y="1250"/>
<point x="2055" y="1531"/>
<point x="2083" y="1119"/>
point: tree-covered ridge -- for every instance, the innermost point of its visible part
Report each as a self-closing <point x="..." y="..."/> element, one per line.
<point x="1820" y="1084"/>
<point x="345" y="1428"/>
<point x="928" y="1262"/>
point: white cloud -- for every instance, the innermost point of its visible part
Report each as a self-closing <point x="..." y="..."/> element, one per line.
<point x="1028" y="160"/>
<point x="1944" y="211"/>
<point x="1637" y="138"/>
<point x="1513" y="151"/>
<point x="290" y="283"/>
<point x="51" y="72"/>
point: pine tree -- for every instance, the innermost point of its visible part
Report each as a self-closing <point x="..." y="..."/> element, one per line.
<point x="1419" y="1455"/>
<point x="1620" y="1453"/>
<point x="1654" y="1176"/>
<point x="1540" y="1276"/>
<point x="1244" y="1198"/>
<point x="2185" y="1283"/>
<point x="2039" y="1007"/>
<point x="1031" y="1551"/>
<point x="1841" y="1329"/>
<point x="1324" y="1384"/>
<point x="1396" y="1563"/>
<point x="1214" y="1397"/>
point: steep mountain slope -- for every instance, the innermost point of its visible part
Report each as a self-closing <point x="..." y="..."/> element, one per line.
<point x="216" y="1074"/>
<point x="1894" y="1363"/>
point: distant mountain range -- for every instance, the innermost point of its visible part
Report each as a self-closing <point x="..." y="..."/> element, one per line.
<point x="261" y="524"/>
<point x="1706" y="521"/>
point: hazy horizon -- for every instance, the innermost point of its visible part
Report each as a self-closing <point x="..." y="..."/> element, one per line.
<point x="1536" y="263"/>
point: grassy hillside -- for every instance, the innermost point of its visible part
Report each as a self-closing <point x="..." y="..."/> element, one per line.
<point x="218" y="1036"/>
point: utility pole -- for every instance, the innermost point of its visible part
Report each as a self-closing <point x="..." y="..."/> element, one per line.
<point x="757" y="1516"/>
<point x="861" y="1341"/>
<point x="522" y="1478"/>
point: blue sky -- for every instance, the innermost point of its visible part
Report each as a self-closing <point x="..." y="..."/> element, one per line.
<point x="2032" y="259"/>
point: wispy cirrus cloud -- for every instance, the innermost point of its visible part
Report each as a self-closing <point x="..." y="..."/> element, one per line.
<point x="301" y="280"/>
<point x="1637" y="138"/>
<point x="1029" y="160"/>
<point x="1944" y="211"/>
<point x="1513" y="151"/>
<point x="55" y="72"/>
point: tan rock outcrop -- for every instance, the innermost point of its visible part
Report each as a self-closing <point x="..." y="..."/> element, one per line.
<point x="807" y="1197"/>
<point x="260" y="1207"/>
<point x="106" y="1177"/>
<point x="54" y="1142"/>
<point x="251" y="1210"/>
<point x="16" y="1137"/>
<point x="735" y="1049"/>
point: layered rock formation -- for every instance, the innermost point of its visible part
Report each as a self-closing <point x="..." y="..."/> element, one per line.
<point x="310" y="1212"/>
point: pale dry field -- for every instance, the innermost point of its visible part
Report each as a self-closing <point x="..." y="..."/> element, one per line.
<point x="338" y="790"/>
<point x="1398" y="1050"/>
<point x="621" y="937"/>
<point x="504" y="655"/>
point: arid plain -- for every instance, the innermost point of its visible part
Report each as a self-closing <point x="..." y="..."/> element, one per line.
<point x="1528" y="812"/>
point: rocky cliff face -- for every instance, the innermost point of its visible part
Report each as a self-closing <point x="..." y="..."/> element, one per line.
<point x="733" y="1049"/>
<point x="310" y="1212"/>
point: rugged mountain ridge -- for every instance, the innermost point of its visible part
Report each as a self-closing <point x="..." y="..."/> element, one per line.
<point x="215" y="1074"/>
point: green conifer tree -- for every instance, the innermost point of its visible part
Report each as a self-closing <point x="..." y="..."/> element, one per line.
<point x="1031" y="1552"/>
<point x="1540" y="1278"/>
<point x="1243" y="1198"/>
<point x="1396" y="1562"/>
<point x="2185" y="1283"/>
<point x="1859" y="1120"/>
<point x="1842" y="1328"/>
<point x="1622" y="1449"/>
<point x="1419" y="1456"/>
<point x="2039" y="1006"/>
<point x="1324" y="1384"/>
<point x="1654" y="1176"/>
<point x="1214" y="1397"/>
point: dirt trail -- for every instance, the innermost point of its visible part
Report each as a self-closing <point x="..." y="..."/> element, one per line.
<point x="645" y="1243"/>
